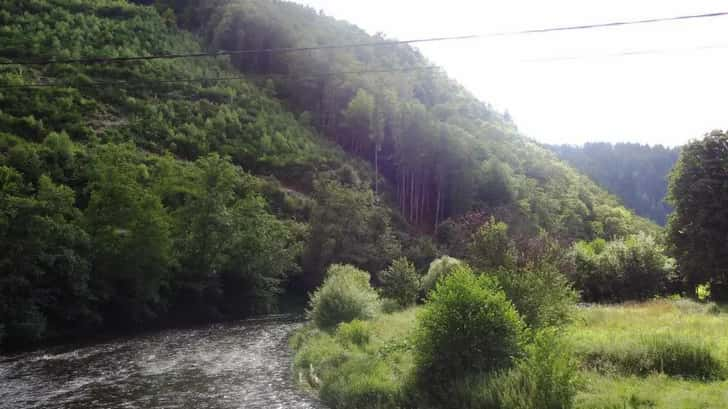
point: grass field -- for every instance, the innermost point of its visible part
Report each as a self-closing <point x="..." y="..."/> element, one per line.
<point x="670" y="354"/>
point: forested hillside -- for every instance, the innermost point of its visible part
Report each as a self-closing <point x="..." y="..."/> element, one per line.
<point x="635" y="173"/>
<point x="156" y="191"/>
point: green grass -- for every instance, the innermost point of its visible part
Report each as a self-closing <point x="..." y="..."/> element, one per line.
<point x="660" y="354"/>
<point x="653" y="392"/>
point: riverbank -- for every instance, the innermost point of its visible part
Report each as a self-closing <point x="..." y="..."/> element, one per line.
<point x="664" y="354"/>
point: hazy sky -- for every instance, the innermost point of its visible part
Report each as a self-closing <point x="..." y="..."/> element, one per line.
<point x="582" y="92"/>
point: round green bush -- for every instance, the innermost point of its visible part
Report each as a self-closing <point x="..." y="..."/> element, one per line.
<point x="467" y="327"/>
<point x="345" y="295"/>
<point x="438" y="269"/>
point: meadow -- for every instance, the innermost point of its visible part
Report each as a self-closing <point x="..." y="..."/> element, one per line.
<point x="662" y="354"/>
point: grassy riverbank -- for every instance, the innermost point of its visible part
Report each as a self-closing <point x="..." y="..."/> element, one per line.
<point x="659" y="354"/>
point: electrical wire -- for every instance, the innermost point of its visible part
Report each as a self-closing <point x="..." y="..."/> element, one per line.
<point x="106" y="60"/>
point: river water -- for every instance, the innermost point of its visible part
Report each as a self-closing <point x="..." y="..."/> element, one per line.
<point x="241" y="365"/>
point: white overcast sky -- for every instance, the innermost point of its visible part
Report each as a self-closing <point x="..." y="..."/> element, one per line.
<point x="672" y="95"/>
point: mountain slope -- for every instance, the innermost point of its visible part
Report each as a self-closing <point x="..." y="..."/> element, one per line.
<point x="134" y="195"/>
<point x="635" y="173"/>
<point x="444" y="152"/>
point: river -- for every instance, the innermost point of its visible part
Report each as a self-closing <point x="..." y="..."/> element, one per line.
<point x="239" y="365"/>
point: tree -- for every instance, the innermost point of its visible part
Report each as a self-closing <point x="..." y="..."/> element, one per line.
<point x="698" y="228"/>
<point x="400" y="282"/>
<point x="44" y="266"/>
<point x="491" y="248"/>
<point x="347" y="227"/>
<point x="130" y="230"/>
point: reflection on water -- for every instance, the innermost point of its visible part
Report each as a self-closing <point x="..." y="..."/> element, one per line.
<point x="242" y="365"/>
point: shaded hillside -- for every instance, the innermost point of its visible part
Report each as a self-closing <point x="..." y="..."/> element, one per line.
<point x="635" y="173"/>
<point x="444" y="152"/>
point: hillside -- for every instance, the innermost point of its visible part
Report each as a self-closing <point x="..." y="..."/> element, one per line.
<point x="135" y="194"/>
<point x="635" y="173"/>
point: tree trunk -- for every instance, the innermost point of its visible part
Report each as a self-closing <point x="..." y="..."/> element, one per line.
<point x="376" y="170"/>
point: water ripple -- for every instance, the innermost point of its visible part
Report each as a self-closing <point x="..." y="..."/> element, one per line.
<point x="242" y="365"/>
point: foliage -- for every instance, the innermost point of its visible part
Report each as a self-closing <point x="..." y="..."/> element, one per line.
<point x="635" y="173"/>
<point x="353" y="333"/>
<point x="672" y="355"/>
<point x="400" y="282"/>
<point x="344" y="296"/>
<point x="443" y="151"/>
<point x="698" y="229"/>
<point x="467" y="327"/>
<point x="546" y="378"/>
<point x="635" y="268"/>
<point x="439" y="269"/>
<point x="347" y="226"/>
<point x="491" y="248"/>
<point x="653" y="337"/>
<point x="543" y="297"/>
<point x="703" y="292"/>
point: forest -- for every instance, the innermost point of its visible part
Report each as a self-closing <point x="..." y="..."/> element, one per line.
<point x="160" y="192"/>
<point x="637" y="174"/>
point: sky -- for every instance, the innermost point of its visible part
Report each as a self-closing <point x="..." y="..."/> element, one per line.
<point x="572" y="87"/>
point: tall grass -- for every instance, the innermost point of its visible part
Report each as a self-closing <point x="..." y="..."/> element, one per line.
<point x="674" y="355"/>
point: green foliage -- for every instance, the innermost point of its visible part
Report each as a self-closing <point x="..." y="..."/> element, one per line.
<point x="543" y="297"/>
<point x="400" y="282"/>
<point x="130" y="231"/>
<point x="491" y="248"/>
<point x="697" y="229"/>
<point x="353" y="333"/>
<point x="631" y="269"/>
<point x="443" y="151"/>
<point x="546" y="378"/>
<point x="467" y="327"/>
<point x="345" y="295"/>
<point x="703" y="292"/>
<point x="361" y="383"/>
<point x="439" y="269"/>
<point x="347" y="226"/>
<point x="635" y="173"/>
<point x="669" y="354"/>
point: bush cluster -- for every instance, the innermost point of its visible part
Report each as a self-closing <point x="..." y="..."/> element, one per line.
<point x="635" y="268"/>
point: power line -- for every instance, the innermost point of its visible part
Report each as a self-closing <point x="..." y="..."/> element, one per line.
<point x="628" y="53"/>
<point x="217" y="79"/>
<point x="100" y="60"/>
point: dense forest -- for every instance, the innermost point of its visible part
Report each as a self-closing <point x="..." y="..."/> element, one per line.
<point x="637" y="174"/>
<point x="164" y="191"/>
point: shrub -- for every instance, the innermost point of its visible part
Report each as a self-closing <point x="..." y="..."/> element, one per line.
<point x="317" y="355"/>
<point x="668" y="354"/>
<point x="345" y="295"/>
<point x="439" y="268"/>
<point x="491" y="248"/>
<point x="546" y="378"/>
<point x="353" y="333"/>
<point x="543" y="297"/>
<point x="635" y="268"/>
<point x="703" y="292"/>
<point x="400" y="282"/>
<point x="467" y="327"/>
<point x="362" y="383"/>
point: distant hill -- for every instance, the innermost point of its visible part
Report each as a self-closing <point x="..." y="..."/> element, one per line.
<point x="637" y="174"/>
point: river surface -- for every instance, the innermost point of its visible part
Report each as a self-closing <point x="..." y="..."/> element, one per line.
<point x="240" y="365"/>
